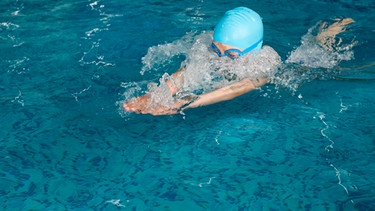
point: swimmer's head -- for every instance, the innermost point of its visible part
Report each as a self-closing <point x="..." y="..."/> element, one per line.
<point x="241" y="28"/>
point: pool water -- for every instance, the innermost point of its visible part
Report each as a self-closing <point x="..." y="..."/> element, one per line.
<point x="65" y="143"/>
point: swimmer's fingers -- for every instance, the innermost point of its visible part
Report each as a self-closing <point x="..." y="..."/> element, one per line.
<point x="345" y="21"/>
<point x="327" y="34"/>
<point x="339" y="23"/>
<point x="132" y="110"/>
<point x="131" y="107"/>
<point x="140" y="105"/>
<point x="155" y="110"/>
<point x="137" y="104"/>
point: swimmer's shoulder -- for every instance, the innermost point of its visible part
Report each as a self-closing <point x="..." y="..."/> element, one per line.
<point x="269" y="49"/>
<point x="269" y="57"/>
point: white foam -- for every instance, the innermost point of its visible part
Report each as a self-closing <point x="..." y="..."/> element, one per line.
<point x="204" y="70"/>
<point x="310" y="54"/>
<point x="309" y="61"/>
<point x="160" y="56"/>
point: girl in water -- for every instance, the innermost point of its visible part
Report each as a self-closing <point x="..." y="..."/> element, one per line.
<point x="235" y="64"/>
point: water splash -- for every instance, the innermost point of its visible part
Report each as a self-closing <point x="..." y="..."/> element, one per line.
<point x="310" y="61"/>
<point x="310" y="54"/>
<point x="203" y="69"/>
<point x="160" y="56"/>
<point x="131" y="89"/>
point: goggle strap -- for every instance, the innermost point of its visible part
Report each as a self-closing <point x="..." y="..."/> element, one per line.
<point x="252" y="47"/>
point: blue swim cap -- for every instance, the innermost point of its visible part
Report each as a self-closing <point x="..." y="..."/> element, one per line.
<point x="241" y="28"/>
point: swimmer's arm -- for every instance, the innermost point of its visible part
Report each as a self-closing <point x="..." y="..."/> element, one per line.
<point x="139" y="104"/>
<point x="176" y="80"/>
<point x="227" y="93"/>
<point x="326" y="36"/>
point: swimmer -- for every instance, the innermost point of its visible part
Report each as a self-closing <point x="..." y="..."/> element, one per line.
<point x="237" y="36"/>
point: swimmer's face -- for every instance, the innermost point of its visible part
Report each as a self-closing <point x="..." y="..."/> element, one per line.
<point x="226" y="50"/>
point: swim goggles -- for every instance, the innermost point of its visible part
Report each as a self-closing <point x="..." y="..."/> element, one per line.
<point x="234" y="53"/>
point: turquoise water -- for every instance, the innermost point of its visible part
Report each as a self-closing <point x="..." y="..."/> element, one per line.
<point x="66" y="145"/>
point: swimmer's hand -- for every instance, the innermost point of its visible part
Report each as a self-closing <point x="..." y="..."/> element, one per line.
<point x="137" y="104"/>
<point x="327" y="33"/>
<point x="142" y="105"/>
